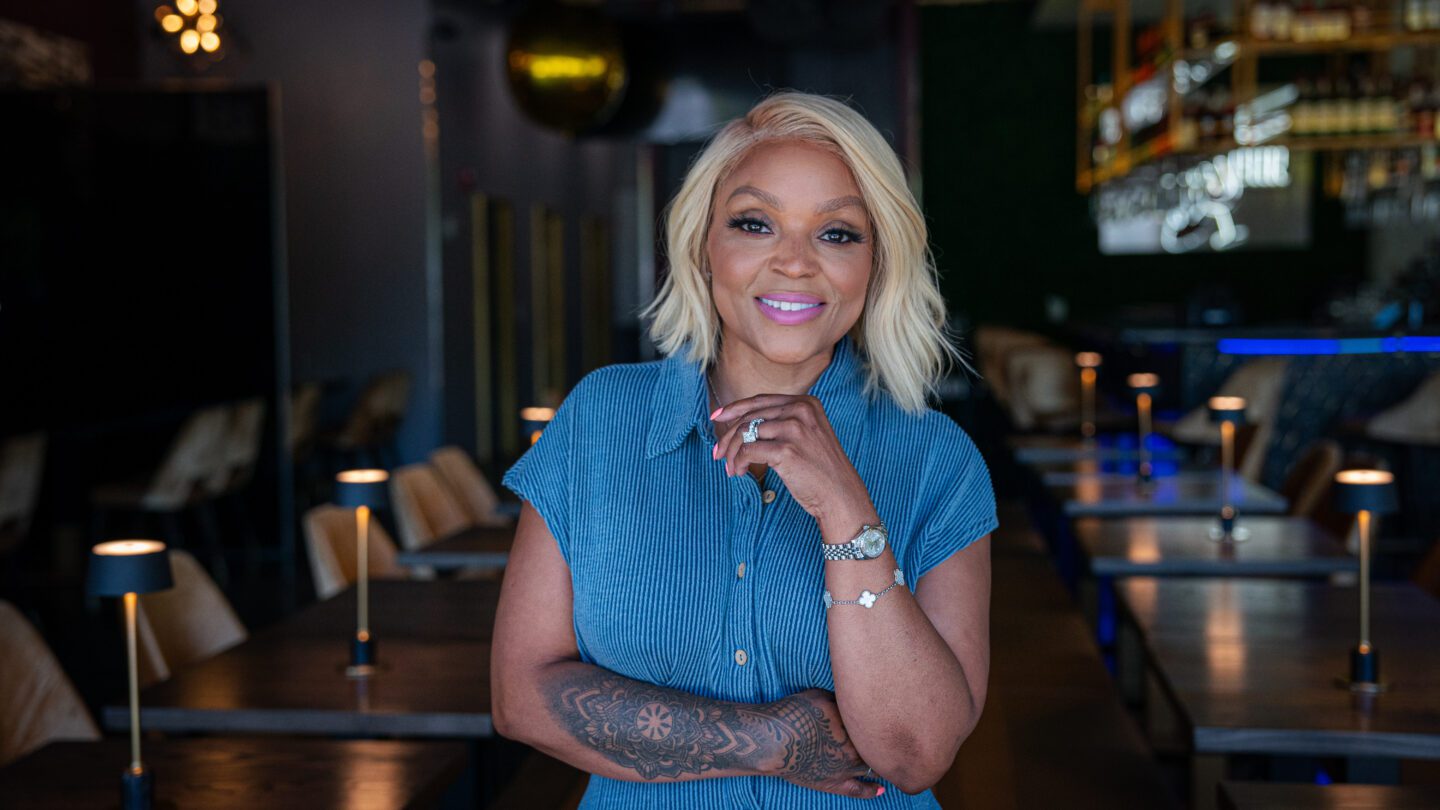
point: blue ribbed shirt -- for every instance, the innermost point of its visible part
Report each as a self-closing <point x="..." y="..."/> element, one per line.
<point x="655" y="536"/>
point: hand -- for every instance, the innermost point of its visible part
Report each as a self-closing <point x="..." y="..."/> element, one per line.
<point x="797" y="441"/>
<point x="815" y="749"/>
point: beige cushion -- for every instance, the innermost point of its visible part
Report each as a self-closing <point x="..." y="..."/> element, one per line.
<point x="240" y="448"/>
<point x="191" y="621"/>
<point x="992" y="345"/>
<point x="424" y="509"/>
<point x="22" y="466"/>
<point x="331" y="540"/>
<point x="472" y="492"/>
<point x="1416" y="420"/>
<point x="38" y="703"/>
<point x="1044" y="386"/>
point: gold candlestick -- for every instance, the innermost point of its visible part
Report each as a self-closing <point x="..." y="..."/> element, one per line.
<point x="1088" y="362"/>
<point x="1365" y="493"/>
<point x="1228" y="412"/>
<point x="363" y="490"/>
<point x="128" y="568"/>
<point x="1144" y="386"/>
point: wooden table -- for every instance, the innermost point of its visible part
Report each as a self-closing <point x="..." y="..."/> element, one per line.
<point x="433" y="649"/>
<point x="1185" y="493"/>
<point x="1059" y="449"/>
<point x="236" y="772"/>
<point x="1182" y="546"/>
<point x="1266" y="796"/>
<point x="475" y="547"/>
<point x="1250" y="666"/>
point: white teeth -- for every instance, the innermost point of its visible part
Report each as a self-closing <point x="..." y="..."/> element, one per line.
<point x="787" y="306"/>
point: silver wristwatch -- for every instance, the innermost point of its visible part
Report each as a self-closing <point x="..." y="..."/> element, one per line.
<point x="867" y="545"/>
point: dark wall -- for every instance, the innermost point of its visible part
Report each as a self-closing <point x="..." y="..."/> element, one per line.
<point x="998" y="146"/>
<point x="363" y="295"/>
<point x="108" y="29"/>
<point x="135" y="242"/>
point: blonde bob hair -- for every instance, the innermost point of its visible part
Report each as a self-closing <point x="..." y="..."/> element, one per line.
<point x="901" y="333"/>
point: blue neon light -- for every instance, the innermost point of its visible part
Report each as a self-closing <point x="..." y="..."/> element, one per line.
<point x="1328" y="346"/>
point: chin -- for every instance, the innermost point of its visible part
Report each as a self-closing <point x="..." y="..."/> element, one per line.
<point x="793" y="348"/>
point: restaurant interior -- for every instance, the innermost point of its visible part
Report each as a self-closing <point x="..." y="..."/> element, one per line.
<point x="285" y="289"/>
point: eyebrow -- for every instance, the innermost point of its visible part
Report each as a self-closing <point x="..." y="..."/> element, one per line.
<point x="824" y="208"/>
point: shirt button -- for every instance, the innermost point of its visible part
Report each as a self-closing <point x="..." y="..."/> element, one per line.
<point x="740" y="572"/>
<point x="769" y="496"/>
<point x="741" y="657"/>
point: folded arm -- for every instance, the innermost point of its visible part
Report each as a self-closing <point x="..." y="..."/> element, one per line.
<point x="621" y="728"/>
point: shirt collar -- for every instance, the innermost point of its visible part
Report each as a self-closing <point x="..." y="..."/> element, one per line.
<point x="681" y="400"/>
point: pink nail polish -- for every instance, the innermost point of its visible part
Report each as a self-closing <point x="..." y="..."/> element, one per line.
<point x="717" y="411"/>
<point x="715" y="450"/>
<point x="880" y="791"/>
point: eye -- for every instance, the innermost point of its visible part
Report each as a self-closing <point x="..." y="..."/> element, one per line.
<point x="845" y="235"/>
<point x="748" y="225"/>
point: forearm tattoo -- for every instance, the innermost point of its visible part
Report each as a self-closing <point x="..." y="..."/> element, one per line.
<point x="663" y="734"/>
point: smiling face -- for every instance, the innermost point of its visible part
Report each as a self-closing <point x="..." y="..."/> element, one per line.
<point x="790" y="247"/>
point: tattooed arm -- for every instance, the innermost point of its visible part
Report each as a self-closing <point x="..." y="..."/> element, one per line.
<point x="626" y="729"/>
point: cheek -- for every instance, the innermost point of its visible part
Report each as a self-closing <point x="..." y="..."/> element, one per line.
<point x="852" y="276"/>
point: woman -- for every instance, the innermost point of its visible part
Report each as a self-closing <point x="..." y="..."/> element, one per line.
<point x="738" y="576"/>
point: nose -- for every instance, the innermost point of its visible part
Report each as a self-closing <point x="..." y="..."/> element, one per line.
<point x="795" y="256"/>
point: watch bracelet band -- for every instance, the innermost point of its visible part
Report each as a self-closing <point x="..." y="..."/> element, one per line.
<point x="867" y="598"/>
<point x="850" y="549"/>
<point x="840" y="551"/>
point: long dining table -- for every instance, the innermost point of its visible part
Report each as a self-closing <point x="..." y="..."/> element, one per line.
<point x="239" y="773"/>
<point x="1252" y="666"/>
<point x="1184" y="493"/>
<point x="476" y="547"/>
<point x="433" y="677"/>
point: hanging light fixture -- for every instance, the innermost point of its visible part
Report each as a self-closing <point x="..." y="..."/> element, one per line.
<point x="195" y="26"/>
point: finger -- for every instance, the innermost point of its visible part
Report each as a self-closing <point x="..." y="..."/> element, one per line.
<point x="856" y="789"/>
<point x="774" y="440"/>
<point x="770" y="434"/>
<point x="740" y="407"/>
<point x="770" y="452"/>
<point x="733" y="436"/>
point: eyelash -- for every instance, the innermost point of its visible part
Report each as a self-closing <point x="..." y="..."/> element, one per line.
<point x="740" y="223"/>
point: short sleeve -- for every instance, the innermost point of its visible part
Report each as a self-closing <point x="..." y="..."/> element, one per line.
<point x="544" y="473"/>
<point x="963" y="505"/>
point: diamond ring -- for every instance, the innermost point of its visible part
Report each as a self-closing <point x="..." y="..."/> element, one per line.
<point x="751" y="433"/>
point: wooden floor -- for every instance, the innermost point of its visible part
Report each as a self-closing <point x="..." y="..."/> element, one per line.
<point x="1054" y="732"/>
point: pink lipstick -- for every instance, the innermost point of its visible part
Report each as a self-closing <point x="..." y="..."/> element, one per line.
<point x="788" y="308"/>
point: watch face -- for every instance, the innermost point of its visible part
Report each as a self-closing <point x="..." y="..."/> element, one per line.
<point x="872" y="543"/>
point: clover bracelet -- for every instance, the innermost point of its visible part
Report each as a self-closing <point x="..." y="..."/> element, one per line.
<point x="867" y="598"/>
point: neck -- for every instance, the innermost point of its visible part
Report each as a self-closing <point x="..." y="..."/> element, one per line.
<point x="742" y="372"/>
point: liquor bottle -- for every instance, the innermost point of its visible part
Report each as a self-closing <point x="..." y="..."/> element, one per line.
<point x="1282" y="20"/>
<point x="1261" y="17"/>
<point x="1378" y="175"/>
<point x="1340" y="20"/>
<point x="1361" y="19"/>
<point x="1198" y="31"/>
<point x="1368" y="113"/>
<point x="1302" y="22"/>
<point x="1414" y="15"/>
<point x="1345" y="109"/>
<point x="1424" y="111"/>
<point x="1409" y="113"/>
<point x="1387" y="109"/>
<point x="1323" y="115"/>
<point x="1302" y="114"/>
